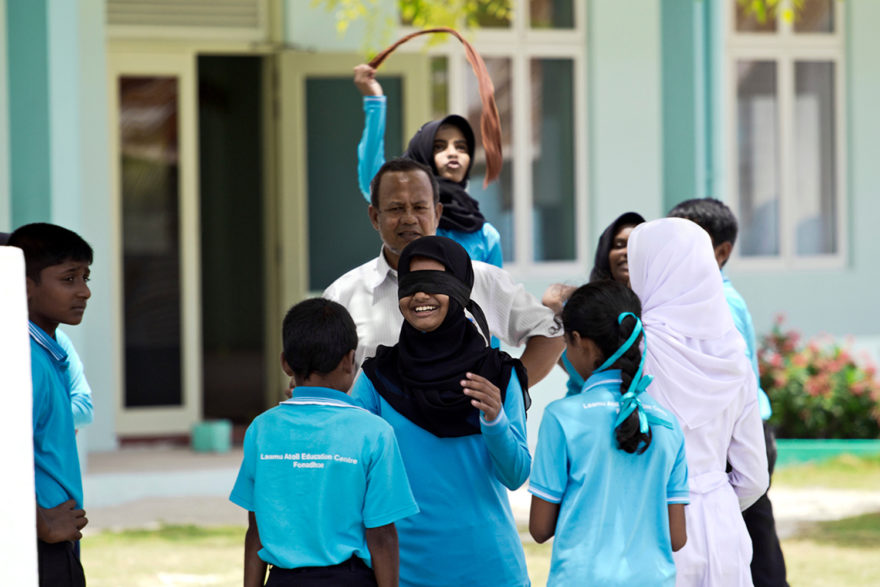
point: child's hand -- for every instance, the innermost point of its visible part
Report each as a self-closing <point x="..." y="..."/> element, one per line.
<point x="63" y="522"/>
<point x="486" y="397"/>
<point x="556" y="295"/>
<point x="365" y="80"/>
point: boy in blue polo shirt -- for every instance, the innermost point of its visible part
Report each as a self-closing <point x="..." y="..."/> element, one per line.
<point x="57" y="271"/>
<point x="713" y="216"/>
<point x="321" y="478"/>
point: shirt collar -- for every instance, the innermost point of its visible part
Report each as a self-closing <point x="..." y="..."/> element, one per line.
<point x="47" y="342"/>
<point x="602" y="378"/>
<point x="320" y="395"/>
<point x="380" y="272"/>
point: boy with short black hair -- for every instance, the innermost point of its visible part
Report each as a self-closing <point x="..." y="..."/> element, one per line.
<point x="716" y="218"/>
<point x="57" y="264"/>
<point x="322" y="479"/>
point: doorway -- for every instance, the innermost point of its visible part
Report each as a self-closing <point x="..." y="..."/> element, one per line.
<point x="232" y="211"/>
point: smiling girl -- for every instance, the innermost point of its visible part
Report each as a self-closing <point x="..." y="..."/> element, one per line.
<point x="458" y="410"/>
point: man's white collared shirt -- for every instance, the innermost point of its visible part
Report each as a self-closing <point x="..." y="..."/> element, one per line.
<point x="369" y="292"/>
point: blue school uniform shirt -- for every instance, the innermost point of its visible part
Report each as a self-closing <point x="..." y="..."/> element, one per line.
<point x="57" y="475"/>
<point x="613" y="525"/>
<point x="464" y="533"/>
<point x="742" y="318"/>
<point x="318" y="470"/>
<point x="482" y="245"/>
<point x="80" y="391"/>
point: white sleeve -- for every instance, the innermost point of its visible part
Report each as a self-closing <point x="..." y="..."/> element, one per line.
<point x="513" y="314"/>
<point x="747" y="455"/>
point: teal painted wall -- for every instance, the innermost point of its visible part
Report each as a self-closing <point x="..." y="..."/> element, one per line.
<point x="88" y="206"/>
<point x="5" y="198"/>
<point x="59" y="166"/>
<point x="27" y="50"/>
<point x="841" y="301"/>
<point x="625" y="110"/>
<point x="682" y="99"/>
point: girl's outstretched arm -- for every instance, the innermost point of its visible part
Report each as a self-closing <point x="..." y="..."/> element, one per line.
<point x="542" y="519"/>
<point x="677" y="526"/>
<point x="254" y="566"/>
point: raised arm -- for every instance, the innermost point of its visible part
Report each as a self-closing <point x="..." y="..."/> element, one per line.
<point x="371" y="149"/>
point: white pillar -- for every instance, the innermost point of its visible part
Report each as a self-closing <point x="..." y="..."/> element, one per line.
<point x="18" y="540"/>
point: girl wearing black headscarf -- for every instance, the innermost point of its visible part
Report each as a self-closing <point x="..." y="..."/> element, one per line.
<point x="447" y="146"/>
<point x="611" y="258"/>
<point x="610" y="262"/>
<point x="457" y="408"/>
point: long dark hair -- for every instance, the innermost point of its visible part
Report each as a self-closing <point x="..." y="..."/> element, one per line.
<point x="592" y="312"/>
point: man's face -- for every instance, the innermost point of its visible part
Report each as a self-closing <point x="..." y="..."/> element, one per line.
<point x="60" y="296"/>
<point x="406" y="211"/>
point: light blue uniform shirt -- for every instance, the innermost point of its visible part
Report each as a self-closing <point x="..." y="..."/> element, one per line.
<point x="465" y="533"/>
<point x="482" y="245"/>
<point x="613" y="525"/>
<point x="743" y="321"/>
<point x="56" y="462"/>
<point x="80" y="391"/>
<point x="317" y="471"/>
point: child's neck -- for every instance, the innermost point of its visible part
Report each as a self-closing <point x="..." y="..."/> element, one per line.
<point x="46" y="326"/>
<point x="327" y="380"/>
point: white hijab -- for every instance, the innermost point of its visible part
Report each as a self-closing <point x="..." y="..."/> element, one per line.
<point x="695" y="353"/>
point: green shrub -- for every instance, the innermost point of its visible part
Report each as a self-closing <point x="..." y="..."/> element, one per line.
<point x="817" y="389"/>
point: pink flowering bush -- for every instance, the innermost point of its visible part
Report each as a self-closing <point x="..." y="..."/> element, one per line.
<point x="817" y="389"/>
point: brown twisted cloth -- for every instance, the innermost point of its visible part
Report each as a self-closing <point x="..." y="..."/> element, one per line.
<point x="490" y="123"/>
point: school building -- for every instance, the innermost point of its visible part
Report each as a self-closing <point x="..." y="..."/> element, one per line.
<point x="206" y="149"/>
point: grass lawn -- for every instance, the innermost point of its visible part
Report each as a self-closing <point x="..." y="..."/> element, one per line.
<point x="843" y="472"/>
<point x="843" y="552"/>
<point x="170" y="556"/>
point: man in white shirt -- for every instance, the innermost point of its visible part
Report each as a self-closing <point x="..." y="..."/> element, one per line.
<point x="405" y="205"/>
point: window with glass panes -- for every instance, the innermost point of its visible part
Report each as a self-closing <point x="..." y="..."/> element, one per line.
<point x="536" y="59"/>
<point x="785" y="100"/>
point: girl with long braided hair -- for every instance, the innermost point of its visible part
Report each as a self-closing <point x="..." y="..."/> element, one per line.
<point x="609" y="477"/>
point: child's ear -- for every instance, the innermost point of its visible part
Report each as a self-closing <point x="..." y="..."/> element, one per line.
<point x="285" y="367"/>
<point x="348" y="365"/>
<point x="722" y="253"/>
<point x="30" y="285"/>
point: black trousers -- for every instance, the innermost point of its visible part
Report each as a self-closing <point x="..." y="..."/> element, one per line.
<point x="768" y="564"/>
<point x="351" y="573"/>
<point x="59" y="565"/>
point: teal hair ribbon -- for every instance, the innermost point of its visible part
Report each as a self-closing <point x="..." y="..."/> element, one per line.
<point x="630" y="400"/>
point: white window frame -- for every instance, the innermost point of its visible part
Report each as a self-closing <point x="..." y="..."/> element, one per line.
<point x="520" y="43"/>
<point x="785" y="47"/>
